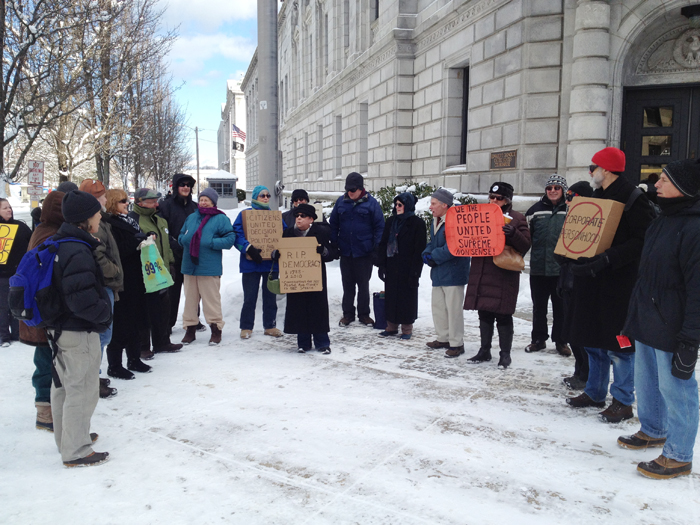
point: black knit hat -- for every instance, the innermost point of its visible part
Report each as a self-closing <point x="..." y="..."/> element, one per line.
<point x="582" y="188"/>
<point x="685" y="175"/>
<point x="503" y="189"/>
<point x="354" y="181"/>
<point x="306" y="209"/>
<point x="300" y="194"/>
<point x="78" y="206"/>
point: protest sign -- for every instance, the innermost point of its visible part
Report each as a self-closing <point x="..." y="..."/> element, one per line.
<point x="301" y="268"/>
<point x="263" y="229"/>
<point x="589" y="227"/>
<point x="7" y="238"/>
<point x="475" y="230"/>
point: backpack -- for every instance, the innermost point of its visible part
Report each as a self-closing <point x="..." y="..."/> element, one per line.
<point x="32" y="297"/>
<point x="636" y="193"/>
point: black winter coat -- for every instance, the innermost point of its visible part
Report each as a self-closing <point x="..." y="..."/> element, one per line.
<point x="127" y="245"/>
<point x="403" y="270"/>
<point x="18" y="248"/>
<point x="665" y="304"/>
<point x="80" y="283"/>
<point x="307" y="312"/>
<point x="175" y="210"/>
<point x="597" y="307"/>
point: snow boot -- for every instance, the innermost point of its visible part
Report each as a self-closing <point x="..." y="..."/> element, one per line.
<point x="138" y="366"/>
<point x="505" y="342"/>
<point x="215" y="335"/>
<point x="190" y="335"/>
<point x="44" y="419"/>
<point x="484" y="353"/>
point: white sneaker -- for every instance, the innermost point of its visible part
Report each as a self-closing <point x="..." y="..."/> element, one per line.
<point x="5" y="344"/>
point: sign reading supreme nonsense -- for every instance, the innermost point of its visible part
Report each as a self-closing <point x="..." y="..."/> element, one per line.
<point x="300" y="266"/>
<point x="263" y="229"/>
<point x="475" y="230"/>
<point x="589" y="227"/>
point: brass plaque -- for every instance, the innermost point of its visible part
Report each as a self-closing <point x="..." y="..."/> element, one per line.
<point x="504" y="160"/>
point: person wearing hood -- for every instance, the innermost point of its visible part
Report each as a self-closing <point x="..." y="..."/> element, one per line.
<point x="400" y="263"/>
<point x="254" y="271"/>
<point x="493" y="291"/>
<point x="9" y="327"/>
<point x="545" y="220"/>
<point x="664" y="321"/>
<point x="175" y="208"/>
<point x="205" y="235"/>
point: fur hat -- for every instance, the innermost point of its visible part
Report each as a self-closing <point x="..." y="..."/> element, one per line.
<point x="610" y="159"/>
<point x="503" y="189"/>
<point x="211" y="194"/>
<point x="685" y="175"/>
<point x="443" y="195"/>
<point x="299" y="194"/>
<point x="557" y="180"/>
<point x="93" y="187"/>
<point x="306" y="209"/>
<point x="354" y="181"/>
<point x="78" y="206"/>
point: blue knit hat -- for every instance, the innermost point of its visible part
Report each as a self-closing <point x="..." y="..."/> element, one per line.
<point x="258" y="189"/>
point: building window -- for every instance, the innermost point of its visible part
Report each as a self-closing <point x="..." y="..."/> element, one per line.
<point x="362" y="135"/>
<point x="319" y="149"/>
<point x="223" y="188"/>
<point x="375" y="10"/>
<point x="338" y="146"/>
<point x="457" y="129"/>
<point x="465" y="116"/>
<point x="306" y="156"/>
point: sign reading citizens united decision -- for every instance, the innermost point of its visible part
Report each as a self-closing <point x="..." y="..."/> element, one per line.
<point x="263" y="229"/>
<point x="301" y="268"/>
<point x="475" y="230"/>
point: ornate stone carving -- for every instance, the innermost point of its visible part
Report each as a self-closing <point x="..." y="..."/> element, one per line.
<point x="677" y="51"/>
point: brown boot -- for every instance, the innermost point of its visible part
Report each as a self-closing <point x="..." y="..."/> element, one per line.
<point x="215" y="335"/>
<point x="44" y="419"/>
<point x="190" y="335"/>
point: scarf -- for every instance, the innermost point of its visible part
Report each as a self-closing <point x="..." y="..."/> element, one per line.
<point x="130" y="221"/>
<point x="409" y="207"/>
<point x="299" y="233"/>
<point x="257" y="205"/>
<point x="207" y="213"/>
<point x="676" y="204"/>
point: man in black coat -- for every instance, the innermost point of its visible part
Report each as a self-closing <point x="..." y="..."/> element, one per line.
<point x="664" y="321"/>
<point x="175" y="209"/>
<point x="601" y="292"/>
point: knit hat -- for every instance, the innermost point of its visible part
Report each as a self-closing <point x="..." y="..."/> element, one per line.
<point x="610" y="159"/>
<point x="306" y="209"/>
<point x="685" y="175"/>
<point x="300" y="194"/>
<point x="582" y="188"/>
<point x="258" y="189"/>
<point x="78" y="206"/>
<point x="93" y="187"/>
<point x="443" y="195"/>
<point x="557" y="180"/>
<point x="145" y="193"/>
<point x="354" y="181"/>
<point x="67" y="186"/>
<point x="503" y="189"/>
<point x="211" y="194"/>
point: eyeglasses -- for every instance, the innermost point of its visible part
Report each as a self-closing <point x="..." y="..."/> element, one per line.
<point x="302" y="215"/>
<point x="553" y="188"/>
<point x="124" y="201"/>
<point x="495" y="197"/>
<point x="593" y="167"/>
<point x="264" y="196"/>
<point x="352" y="190"/>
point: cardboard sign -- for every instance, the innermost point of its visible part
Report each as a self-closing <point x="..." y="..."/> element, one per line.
<point x="589" y="227"/>
<point x="7" y="238"/>
<point x="301" y="269"/>
<point x="263" y="229"/>
<point x="475" y="230"/>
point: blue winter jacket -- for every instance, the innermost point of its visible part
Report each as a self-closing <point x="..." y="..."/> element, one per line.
<point x="242" y="244"/>
<point x="450" y="270"/>
<point x="217" y="235"/>
<point x="356" y="226"/>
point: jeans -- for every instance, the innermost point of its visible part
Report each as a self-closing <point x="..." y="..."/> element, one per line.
<point x="9" y="326"/>
<point x="667" y="406"/>
<point x="106" y="336"/>
<point x="542" y="289"/>
<point x="321" y="340"/>
<point x="355" y="272"/>
<point x="622" y="388"/>
<point x="41" y="379"/>
<point x="251" y="284"/>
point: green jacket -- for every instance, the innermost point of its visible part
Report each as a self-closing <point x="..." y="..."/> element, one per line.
<point x="545" y="221"/>
<point x="150" y="221"/>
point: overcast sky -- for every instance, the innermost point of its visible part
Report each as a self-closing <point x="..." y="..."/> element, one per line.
<point x="217" y="40"/>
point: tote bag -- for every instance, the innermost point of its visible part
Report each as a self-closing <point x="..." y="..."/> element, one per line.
<point x="509" y="259"/>
<point x="156" y="276"/>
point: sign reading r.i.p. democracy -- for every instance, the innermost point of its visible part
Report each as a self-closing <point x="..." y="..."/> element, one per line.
<point x="475" y="230"/>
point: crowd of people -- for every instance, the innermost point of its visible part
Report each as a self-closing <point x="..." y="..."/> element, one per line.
<point x="639" y="298"/>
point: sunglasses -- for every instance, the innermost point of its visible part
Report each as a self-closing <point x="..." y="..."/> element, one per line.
<point x="495" y="197"/>
<point x="264" y="196"/>
<point x="124" y="201"/>
<point x="302" y="215"/>
<point x="299" y="200"/>
<point x="352" y="190"/>
<point x="399" y="204"/>
<point x="593" y="167"/>
<point x="553" y="188"/>
<point x="185" y="184"/>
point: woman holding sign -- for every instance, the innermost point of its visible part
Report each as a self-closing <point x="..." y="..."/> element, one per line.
<point x="493" y="291"/>
<point x="400" y="265"/>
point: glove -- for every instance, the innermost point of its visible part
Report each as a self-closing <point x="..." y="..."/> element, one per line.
<point x="381" y="272"/>
<point x="155" y="235"/>
<point x="254" y="253"/>
<point x="428" y="259"/>
<point x="684" y="359"/>
<point x="590" y="266"/>
<point x="320" y="249"/>
<point x="275" y="255"/>
<point x="140" y="236"/>
<point x="560" y="259"/>
<point x="509" y="230"/>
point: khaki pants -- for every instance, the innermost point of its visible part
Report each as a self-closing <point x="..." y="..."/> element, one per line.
<point x="448" y="316"/>
<point x="206" y="288"/>
<point x="78" y="366"/>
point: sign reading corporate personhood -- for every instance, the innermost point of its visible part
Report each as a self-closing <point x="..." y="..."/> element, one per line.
<point x="589" y="227"/>
<point x="475" y="230"/>
<point x="301" y="268"/>
<point x="263" y="229"/>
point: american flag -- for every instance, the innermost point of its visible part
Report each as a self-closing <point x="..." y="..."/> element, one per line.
<point x="237" y="132"/>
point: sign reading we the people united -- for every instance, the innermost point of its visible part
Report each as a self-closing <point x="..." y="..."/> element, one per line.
<point x="589" y="227"/>
<point x="7" y="238"/>
<point x="301" y="269"/>
<point x="263" y="229"/>
<point x="475" y="230"/>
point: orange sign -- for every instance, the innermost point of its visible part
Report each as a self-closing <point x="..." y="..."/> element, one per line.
<point x="475" y="230"/>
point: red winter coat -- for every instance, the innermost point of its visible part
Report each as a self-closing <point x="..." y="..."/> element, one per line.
<point x="494" y="289"/>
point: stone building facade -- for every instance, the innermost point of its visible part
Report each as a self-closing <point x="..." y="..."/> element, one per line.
<point x="233" y="111"/>
<point x="465" y="92"/>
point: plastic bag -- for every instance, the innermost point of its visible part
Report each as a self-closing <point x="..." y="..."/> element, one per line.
<point x="156" y="276"/>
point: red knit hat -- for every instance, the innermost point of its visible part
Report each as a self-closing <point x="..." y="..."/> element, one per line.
<point x="610" y="159"/>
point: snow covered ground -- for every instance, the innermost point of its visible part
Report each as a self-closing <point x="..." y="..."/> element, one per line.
<point x="379" y="432"/>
